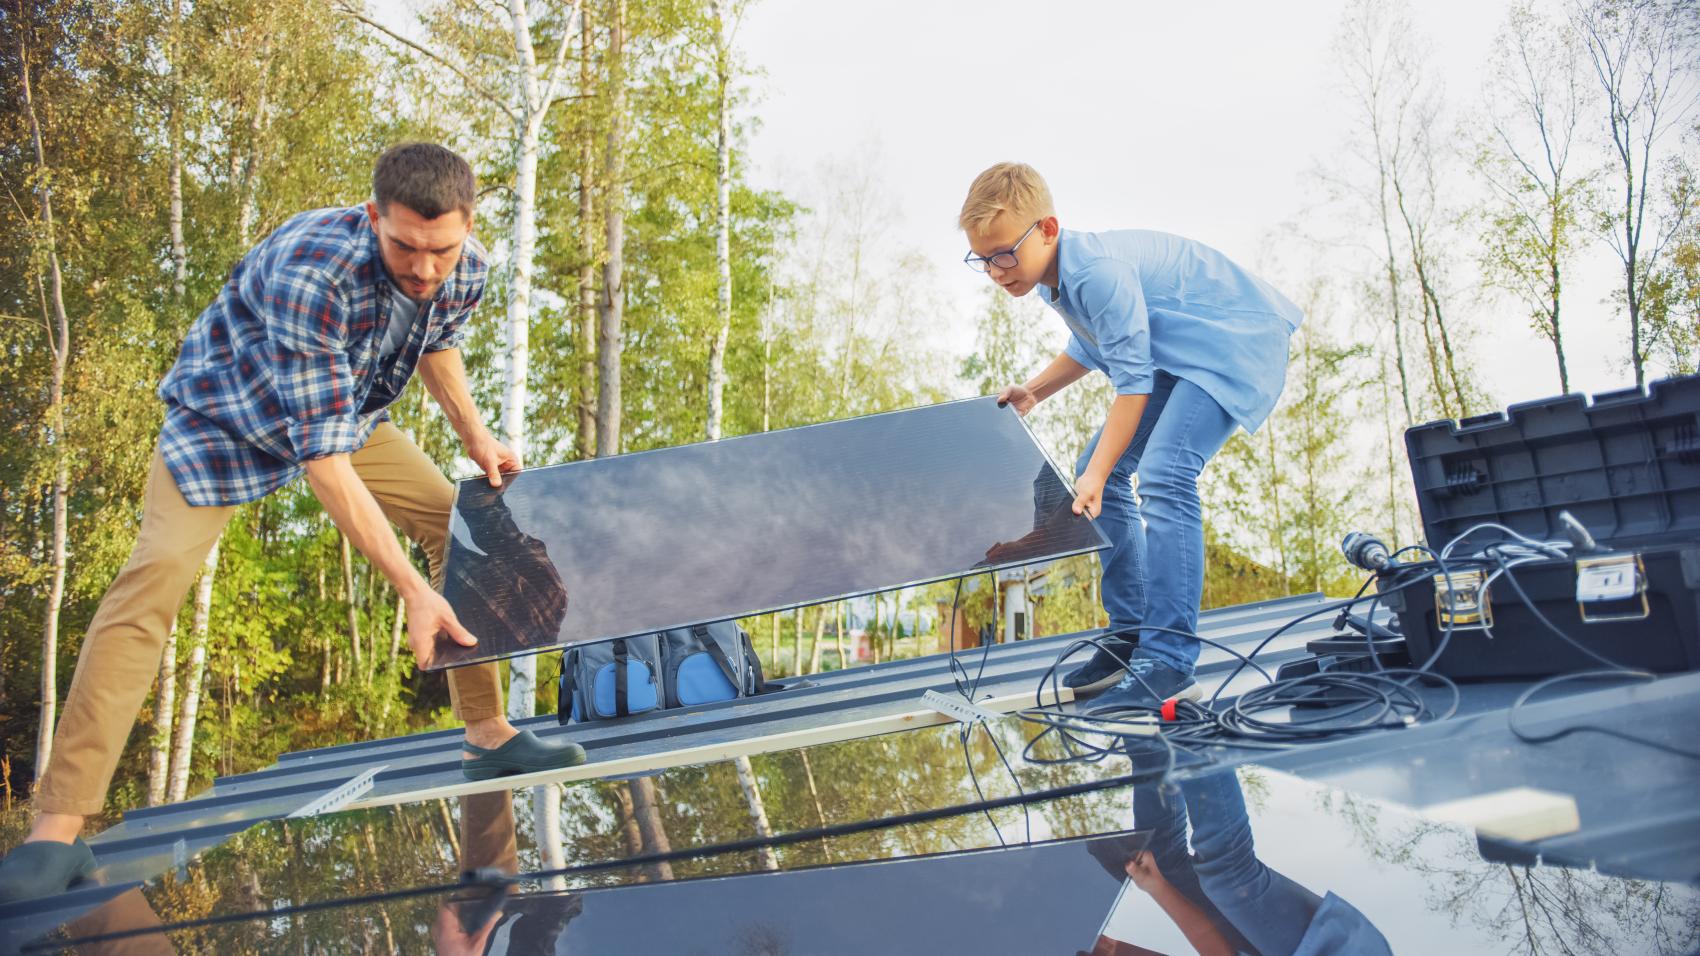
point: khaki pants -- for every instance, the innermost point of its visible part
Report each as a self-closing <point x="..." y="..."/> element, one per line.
<point x="121" y="652"/>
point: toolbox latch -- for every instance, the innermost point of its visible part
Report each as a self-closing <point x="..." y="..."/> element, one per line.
<point x="1461" y="603"/>
<point x="1611" y="587"/>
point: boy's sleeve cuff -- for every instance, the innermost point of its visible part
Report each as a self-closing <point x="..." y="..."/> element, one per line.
<point x="1139" y="384"/>
<point x="1076" y="351"/>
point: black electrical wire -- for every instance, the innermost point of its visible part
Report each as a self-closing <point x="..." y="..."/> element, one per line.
<point x="1615" y="673"/>
<point x="1511" y="579"/>
<point x="970" y="691"/>
<point x="1388" y="698"/>
<point x="1358" y="702"/>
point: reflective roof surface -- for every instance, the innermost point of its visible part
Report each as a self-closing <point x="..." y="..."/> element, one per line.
<point x="1277" y="864"/>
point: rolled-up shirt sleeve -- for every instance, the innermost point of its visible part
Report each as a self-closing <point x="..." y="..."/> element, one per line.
<point x="453" y="332"/>
<point x="307" y="339"/>
<point x="1076" y="349"/>
<point x="1114" y="302"/>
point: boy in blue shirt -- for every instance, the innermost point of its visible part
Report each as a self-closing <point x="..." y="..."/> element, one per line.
<point x="1195" y="346"/>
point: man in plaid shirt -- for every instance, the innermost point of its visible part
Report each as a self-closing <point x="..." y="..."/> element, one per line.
<point x="288" y="373"/>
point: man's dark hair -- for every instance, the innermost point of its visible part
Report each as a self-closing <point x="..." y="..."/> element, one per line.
<point x="426" y="178"/>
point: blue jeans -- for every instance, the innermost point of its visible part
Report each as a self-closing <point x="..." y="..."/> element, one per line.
<point x="1163" y="531"/>
<point x="1256" y="908"/>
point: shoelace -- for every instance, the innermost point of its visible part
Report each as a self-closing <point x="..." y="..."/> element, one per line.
<point x="1137" y="670"/>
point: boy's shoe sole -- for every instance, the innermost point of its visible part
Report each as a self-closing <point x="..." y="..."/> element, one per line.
<point x="1191" y="692"/>
<point x="1100" y="685"/>
<point x="1102" y="671"/>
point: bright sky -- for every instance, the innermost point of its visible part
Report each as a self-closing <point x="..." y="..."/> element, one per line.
<point x="1205" y="120"/>
<point x="1198" y="119"/>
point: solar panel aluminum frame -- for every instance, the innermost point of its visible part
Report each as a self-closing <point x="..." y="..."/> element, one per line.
<point x="449" y="654"/>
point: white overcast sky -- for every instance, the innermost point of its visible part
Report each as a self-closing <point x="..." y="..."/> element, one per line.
<point x="1202" y="119"/>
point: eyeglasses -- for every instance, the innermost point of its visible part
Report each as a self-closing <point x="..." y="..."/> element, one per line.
<point x="1003" y="260"/>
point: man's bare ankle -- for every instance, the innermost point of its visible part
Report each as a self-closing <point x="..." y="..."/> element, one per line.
<point x="55" y="827"/>
<point x="489" y="731"/>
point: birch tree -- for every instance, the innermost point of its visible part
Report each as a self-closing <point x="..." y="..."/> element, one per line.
<point x="1645" y="73"/>
<point x="165" y="694"/>
<point x="1373" y="70"/>
<point x="534" y="85"/>
<point x="611" y="304"/>
<point x="723" y="213"/>
<point x="57" y="327"/>
<point x="1398" y="110"/>
<point x="1533" y="110"/>
<point x="587" y="311"/>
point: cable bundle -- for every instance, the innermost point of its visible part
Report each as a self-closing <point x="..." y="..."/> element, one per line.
<point x="1387" y="698"/>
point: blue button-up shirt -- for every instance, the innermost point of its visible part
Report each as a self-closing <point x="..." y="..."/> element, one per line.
<point x="284" y="366"/>
<point x="1138" y="301"/>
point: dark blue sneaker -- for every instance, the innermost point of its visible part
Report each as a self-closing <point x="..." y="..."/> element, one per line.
<point x="1144" y="686"/>
<point x="1103" y="671"/>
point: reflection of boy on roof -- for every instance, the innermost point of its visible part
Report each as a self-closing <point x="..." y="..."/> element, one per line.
<point x="1220" y="894"/>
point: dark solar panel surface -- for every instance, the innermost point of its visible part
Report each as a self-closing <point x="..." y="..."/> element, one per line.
<point x="638" y="543"/>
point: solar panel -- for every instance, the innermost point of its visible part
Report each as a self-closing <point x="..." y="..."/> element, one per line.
<point x="637" y="543"/>
<point x="1039" y="898"/>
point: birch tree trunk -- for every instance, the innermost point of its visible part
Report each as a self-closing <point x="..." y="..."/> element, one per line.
<point x="1371" y="71"/>
<point x="723" y="219"/>
<point x="183" y="748"/>
<point x="247" y="206"/>
<point x="522" y="671"/>
<point x="1423" y="266"/>
<point x="1640" y="55"/>
<point x="58" y="329"/>
<point x="631" y="838"/>
<point x="174" y="135"/>
<point x="537" y="92"/>
<point x="164" y="701"/>
<point x="353" y="612"/>
<point x="612" y="306"/>
<point x="587" y="258"/>
<point x="797" y="645"/>
<point x="874" y="631"/>
<point x="758" y="812"/>
<point x="814" y="795"/>
<point x="648" y="817"/>
<point x="815" y="648"/>
<point x="838" y="615"/>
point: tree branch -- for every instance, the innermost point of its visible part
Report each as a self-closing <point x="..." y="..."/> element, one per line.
<point x="507" y="109"/>
<point x="557" y="69"/>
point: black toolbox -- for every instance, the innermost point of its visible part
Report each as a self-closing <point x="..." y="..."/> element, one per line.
<point x="1627" y="466"/>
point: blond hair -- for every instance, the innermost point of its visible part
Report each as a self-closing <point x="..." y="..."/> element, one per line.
<point x="1013" y="188"/>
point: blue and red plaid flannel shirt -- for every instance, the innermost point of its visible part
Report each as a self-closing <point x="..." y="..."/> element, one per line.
<point x="284" y="367"/>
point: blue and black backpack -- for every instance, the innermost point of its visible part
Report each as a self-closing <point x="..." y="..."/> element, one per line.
<point x="682" y="667"/>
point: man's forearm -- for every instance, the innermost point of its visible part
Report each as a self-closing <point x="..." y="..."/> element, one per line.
<point x="356" y="514"/>
<point x="444" y="374"/>
<point x="1119" y="429"/>
<point x="1060" y="374"/>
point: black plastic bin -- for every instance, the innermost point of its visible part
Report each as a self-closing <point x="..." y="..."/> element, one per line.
<point x="1627" y="465"/>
